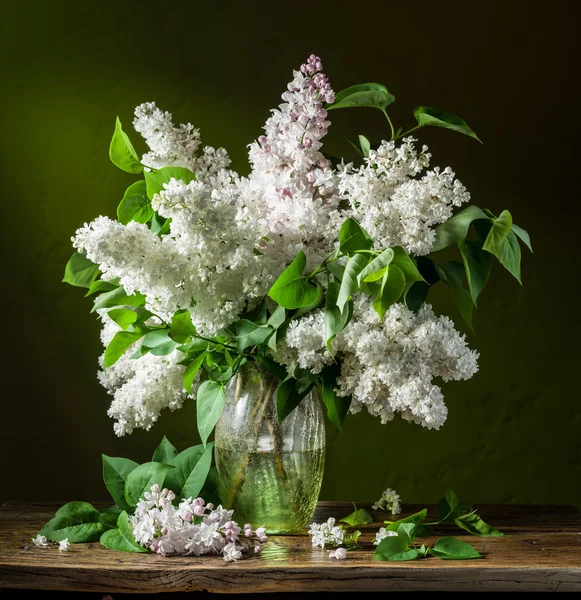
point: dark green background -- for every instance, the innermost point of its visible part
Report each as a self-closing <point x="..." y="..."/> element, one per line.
<point x="68" y="68"/>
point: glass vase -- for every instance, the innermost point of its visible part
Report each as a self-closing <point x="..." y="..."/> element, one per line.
<point x="269" y="473"/>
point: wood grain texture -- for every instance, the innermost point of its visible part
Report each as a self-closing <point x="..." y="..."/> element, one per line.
<point x="541" y="552"/>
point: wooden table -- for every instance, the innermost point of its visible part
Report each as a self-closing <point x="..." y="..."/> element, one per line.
<point x="541" y="552"/>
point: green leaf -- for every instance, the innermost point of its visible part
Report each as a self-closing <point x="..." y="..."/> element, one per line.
<point x="436" y="117"/>
<point x="278" y="317"/>
<point x="349" y="285"/>
<point x="511" y="255"/>
<point x="407" y="531"/>
<point x="142" y="478"/>
<point x="191" y="470"/>
<point x="156" y="179"/>
<point x="415" y="295"/>
<point x="476" y="265"/>
<point x="316" y="302"/>
<point x="120" y="343"/>
<point x="372" y="95"/>
<point x="415" y="519"/>
<point x="117" y="297"/>
<point x="182" y="329"/>
<point x="165" y="452"/>
<point x="159" y="224"/>
<point x="473" y="524"/>
<point x="354" y="145"/>
<point x="392" y="548"/>
<point x="365" y="145"/>
<point x="156" y="337"/>
<point x="498" y="234"/>
<point x="453" y="274"/>
<point x="100" y="285"/>
<point x="209" y="405"/>
<point x="450" y="507"/>
<point x="135" y="205"/>
<point x="287" y="398"/>
<point x="335" y="320"/>
<point x="456" y="228"/>
<point x="358" y="517"/>
<point x="408" y="267"/>
<point x="392" y="287"/>
<point x="250" y="334"/>
<point x="376" y="265"/>
<point x="76" y="521"/>
<point x="523" y="235"/>
<point x="450" y="548"/>
<point x="337" y="406"/>
<point x="353" y="237"/>
<point x="122" y="153"/>
<point x="109" y="516"/>
<point x="291" y="290"/>
<point x="122" y="538"/>
<point x="115" y="472"/>
<point x="210" y="492"/>
<point x="80" y="271"/>
<point x="192" y="370"/>
<point x="125" y="317"/>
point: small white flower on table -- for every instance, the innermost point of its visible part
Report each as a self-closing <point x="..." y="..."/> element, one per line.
<point x="339" y="554"/>
<point x="382" y="534"/>
<point x="40" y="540"/>
<point x="64" y="545"/>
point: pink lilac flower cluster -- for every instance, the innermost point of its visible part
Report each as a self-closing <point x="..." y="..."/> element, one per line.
<point x="191" y="528"/>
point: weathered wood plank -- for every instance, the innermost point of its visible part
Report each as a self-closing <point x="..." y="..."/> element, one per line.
<point x="542" y="552"/>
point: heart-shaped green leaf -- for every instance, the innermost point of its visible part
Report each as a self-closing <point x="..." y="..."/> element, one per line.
<point x="76" y="521"/>
<point x="291" y="290"/>
<point x="135" y="205"/>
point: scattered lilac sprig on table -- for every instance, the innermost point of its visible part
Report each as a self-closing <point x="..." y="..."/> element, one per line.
<point x="389" y="501"/>
<point x="191" y="528"/>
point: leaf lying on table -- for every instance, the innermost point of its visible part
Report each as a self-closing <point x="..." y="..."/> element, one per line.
<point x="358" y="517"/>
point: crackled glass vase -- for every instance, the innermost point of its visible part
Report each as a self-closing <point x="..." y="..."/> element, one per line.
<point x="269" y="473"/>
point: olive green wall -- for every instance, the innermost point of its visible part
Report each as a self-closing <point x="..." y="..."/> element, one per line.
<point x="513" y="433"/>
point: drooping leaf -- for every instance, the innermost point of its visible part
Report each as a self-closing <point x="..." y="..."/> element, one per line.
<point x="120" y="343"/>
<point x="117" y="297"/>
<point x="415" y="295"/>
<point x="456" y="228"/>
<point x="523" y="235"/>
<point x="335" y="320"/>
<point x="498" y="234"/>
<point x="450" y="548"/>
<point x="165" y="452"/>
<point x="135" y="205"/>
<point x="209" y="405"/>
<point x="337" y="406"/>
<point x="353" y="237"/>
<point x="182" y="328"/>
<point x="80" y="271"/>
<point x="156" y="179"/>
<point x="453" y="274"/>
<point x="373" y="95"/>
<point x="76" y="521"/>
<point x="192" y="370"/>
<point x="376" y="265"/>
<point x="291" y="290"/>
<point x="408" y="267"/>
<point x="477" y="266"/>
<point x="288" y="398"/>
<point x="121" y="538"/>
<point x="142" y="478"/>
<point x="358" y="517"/>
<point x="392" y="287"/>
<point x="191" y="469"/>
<point x="115" y="472"/>
<point x="122" y="153"/>
<point x="473" y="524"/>
<point x="511" y="255"/>
<point x="349" y="285"/>
<point x="437" y="117"/>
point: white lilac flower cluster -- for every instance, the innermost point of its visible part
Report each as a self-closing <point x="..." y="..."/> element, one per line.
<point x="388" y="366"/>
<point x="382" y="534"/>
<point x="230" y="237"/>
<point x="390" y="501"/>
<point x="191" y="528"/>
<point x="42" y="542"/>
